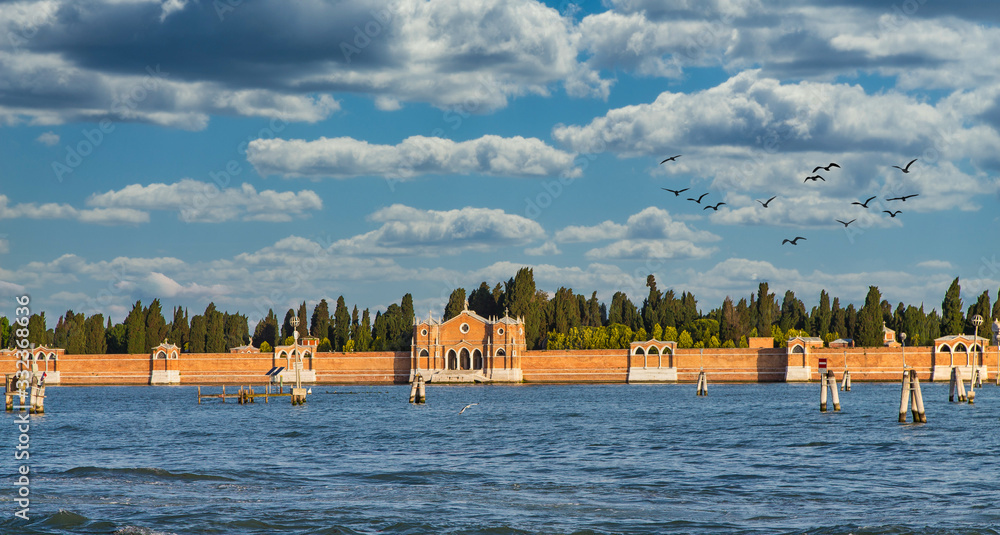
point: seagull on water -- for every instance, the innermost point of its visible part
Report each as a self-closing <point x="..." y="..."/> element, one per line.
<point x="466" y="407"/>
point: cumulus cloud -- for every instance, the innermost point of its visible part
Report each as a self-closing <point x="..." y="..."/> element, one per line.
<point x="546" y="249"/>
<point x="411" y="231"/>
<point x="650" y="234"/>
<point x="100" y="216"/>
<point x="347" y="157"/>
<point x="157" y="284"/>
<point x="472" y="55"/>
<point x="936" y="264"/>
<point x="48" y="138"/>
<point x="205" y="202"/>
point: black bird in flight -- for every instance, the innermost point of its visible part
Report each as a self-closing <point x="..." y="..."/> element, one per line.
<point x="698" y="200"/>
<point x="903" y="198"/>
<point x="764" y="204"/>
<point x="827" y="168"/>
<point x="716" y="207"/>
<point x="893" y="214"/>
<point x="676" y="192"/>
<point x="865" y="204"/>
<point x="671" y="159"/>
<point x="845" y="224"/>
<point x="793" y="242"/>
<point x="813" y="178"/>
<point x="907" y="168"/>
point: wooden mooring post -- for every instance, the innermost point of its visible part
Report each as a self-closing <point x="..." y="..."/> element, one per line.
<point x="243" y="395"/>
<point x="9" y="391"/>
<point x="911" y="387"/>
<point x="845" y="384"/>
<point x="957" y="386"/>
<point x="832" y="380"/>
<point x="418" y="392"/>
<point x="702" y="383"/>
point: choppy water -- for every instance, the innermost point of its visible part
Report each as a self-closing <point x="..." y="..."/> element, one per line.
<point x="527" y="459"/>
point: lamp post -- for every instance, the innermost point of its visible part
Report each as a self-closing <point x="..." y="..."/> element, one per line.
<point x="902" y="342"/>
<point x="977" y="320"/>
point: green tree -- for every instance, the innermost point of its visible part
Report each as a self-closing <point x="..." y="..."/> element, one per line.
<point x="951" y="309"/>
<point x="266" y="330"/>
<point x="650" y="307"/>
<point x="793" y="312"/>
<point x="116" y="338"/>
<point x="483" y="302"/>
<point x="286" y="324"/>
<point x="729" y="328"/>
<point x="135" y="330"/>
<point x="521" y="299"/>
<point x="6" y="333"/>
<point x="156" y="325"/>
<point x="766" y="307"/>
<point x="341" y="325"/>
<point x="870" y="333"/>
<point x="324" y="345"/>
<point x="215" y="329"/>
<point x="684" y="341"/>
<point x="199" y="334"/>
<point x="95" y="342"/>
<point x="266" y="347"/>
<point x="824" y="315"/>
<point x="455" y="305"/>
<point x="406" y="321"/>
<point x="303" y="321"/>
<point x="982" y="308"/>
<point x="364" y="341"/>
<point x="319" y="324"/>
<point x="236" y="330"/>
<point x="180" y="329"/>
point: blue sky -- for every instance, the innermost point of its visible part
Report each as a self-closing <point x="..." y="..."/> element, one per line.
<point x="258" y="154"/>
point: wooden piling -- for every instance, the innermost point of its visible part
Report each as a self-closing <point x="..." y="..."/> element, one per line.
<point x="918" y="398"/>
<point x="904" y="399"/>
<point x="413" y="391"/>
<point x="421" y="390"/>
<point x="833" y="389"/>
<point x="822" y="392"/>
<point x="960" y="386"/>
<point x="846" y="385"/>
<point x="952" y="383"/>
<point x="702" y="383"/>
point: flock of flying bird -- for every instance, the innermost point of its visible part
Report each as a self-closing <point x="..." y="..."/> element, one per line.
<point x="814" y="177"/>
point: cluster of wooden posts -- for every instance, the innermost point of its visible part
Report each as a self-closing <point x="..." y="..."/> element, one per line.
<point x="418" y="392"/>
<point x="35" y="394"/>
<point x="702" y="384"/>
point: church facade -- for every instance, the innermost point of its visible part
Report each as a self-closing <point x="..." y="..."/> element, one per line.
<point x="468" y="348"/>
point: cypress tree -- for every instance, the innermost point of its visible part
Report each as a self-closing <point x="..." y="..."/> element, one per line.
<point x="199" y="335"/>
<point x="96" y="342"/>
<point x="341" y="325"/>
<point x="286" y="326"/>
<point x="951" y="309"/>
<point x="303" y="321"/>
<point x="483" y="301"/>
<point x="650" y="306"/>
<point x="266" y="330"/>
<point x="135" y="330"/>
<point x="838" y="321"/>
<point x="319" y="324"/>
<point x="156" y="326"/>
<point x="870" y="333"/>
<point x="729" y="326"/>
<point x="765" y="309"/>
<point x="215" y="330"/>
<point x="982" y="308"/>
<point x="364" y="342"/>
<point x="455" y="305"/>
<point x="824" y="315"/>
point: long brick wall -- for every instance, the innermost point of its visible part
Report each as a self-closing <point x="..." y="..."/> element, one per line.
<point x="581" y="366"/>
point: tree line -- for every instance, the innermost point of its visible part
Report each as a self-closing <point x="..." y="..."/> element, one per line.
<point x="564" y="321"/>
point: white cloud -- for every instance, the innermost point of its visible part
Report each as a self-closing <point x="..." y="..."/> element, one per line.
<point x="65" y="211"/>
<point x="411" y="231"/>
<point x="546" y="249"/>
<point x="608" y="230"/>
<point x="649" y="249"/>
<point x="48" y="138"/>
<point x="936" y="264"/>
<point x="347" y="157"/>
<point x="157" y="284"/>
<point x="205" y="202"/>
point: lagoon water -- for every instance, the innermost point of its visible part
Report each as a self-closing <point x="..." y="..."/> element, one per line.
<point x="751" y="458"/>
